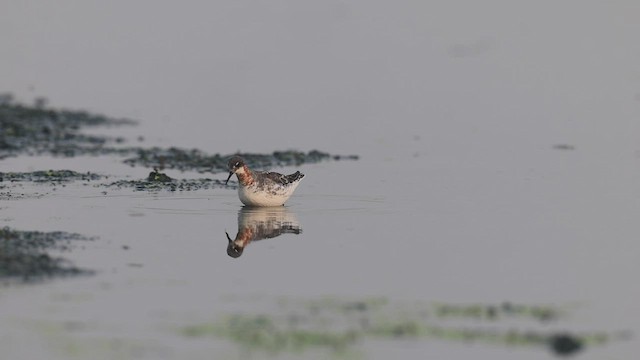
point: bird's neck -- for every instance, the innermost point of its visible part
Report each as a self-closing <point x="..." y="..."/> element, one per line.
<point x="245" y="176"/>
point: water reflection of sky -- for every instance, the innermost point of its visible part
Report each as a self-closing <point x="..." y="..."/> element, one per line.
<point x="498" y="158"/>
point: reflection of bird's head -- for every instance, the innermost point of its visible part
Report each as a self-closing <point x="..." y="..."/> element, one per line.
<point x="233" y="249"/>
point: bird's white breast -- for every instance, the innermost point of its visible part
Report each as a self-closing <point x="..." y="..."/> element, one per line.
<point x="252" y="196"/>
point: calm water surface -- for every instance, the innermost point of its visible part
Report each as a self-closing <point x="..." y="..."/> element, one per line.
<point x="370" y="228"/>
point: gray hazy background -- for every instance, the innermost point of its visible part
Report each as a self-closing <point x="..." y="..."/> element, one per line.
<point x="218" y="75"/>
<point x="461" y="193"/>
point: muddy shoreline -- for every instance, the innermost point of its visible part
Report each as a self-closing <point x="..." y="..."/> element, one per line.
<point x="35" y="130"/>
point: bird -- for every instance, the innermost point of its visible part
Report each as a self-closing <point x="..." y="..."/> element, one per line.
<point x="262" y="188"/>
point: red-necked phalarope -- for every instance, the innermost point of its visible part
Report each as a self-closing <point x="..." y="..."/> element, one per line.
<point x="262" y="188"/>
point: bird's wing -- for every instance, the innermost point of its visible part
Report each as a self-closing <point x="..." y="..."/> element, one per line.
<point x="283" y="179"/>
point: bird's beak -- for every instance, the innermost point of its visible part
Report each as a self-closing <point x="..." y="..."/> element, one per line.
<point x="228" y="237"/>
<point x="230" y="175"/>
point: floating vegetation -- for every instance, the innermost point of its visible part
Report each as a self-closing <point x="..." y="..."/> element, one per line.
<point x="48" y="176"/>
<point x="23" y="254"/>
<point x="38" y="130"/>
<point x="175" y="185"/>
<point x="262" y="332"/>
<point x="12" y="195"/>
<point x="13" y="181"/>
<point x="494" y="312"/>
<point x="159" y="181"/>
<point x="154" y="182"/>
<point x="196" y="160"/>
<point x="339" y="325"/>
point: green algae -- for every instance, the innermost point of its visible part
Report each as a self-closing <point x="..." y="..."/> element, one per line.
<point x="157" y="181"/>
<point x="174" y="185"/>
<point x="338" y="326"/>
<point x="13" y="195"/>
<point x="13" y="182"/>
<point x="262" y="332"/>
<point x="154" y="182"/>
<point x="24" y="254"/>
<point x="48" y="176"/>
<point x="196" y="160"/>
<point x="493" y="312"/>
<point x="37" y="130"/>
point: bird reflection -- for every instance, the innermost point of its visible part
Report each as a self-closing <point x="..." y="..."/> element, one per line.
<point x="257" y="223"/>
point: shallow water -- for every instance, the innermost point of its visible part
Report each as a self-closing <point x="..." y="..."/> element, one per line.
<point x="498" y="163"/>
<point x="162" y="263"/>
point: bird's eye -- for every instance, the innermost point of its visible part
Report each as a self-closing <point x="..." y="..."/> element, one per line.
<point x="237" y="164"/>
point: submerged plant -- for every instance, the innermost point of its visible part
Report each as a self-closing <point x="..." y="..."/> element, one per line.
<point x="338" y="325"/>
<point x="24" y="254"/>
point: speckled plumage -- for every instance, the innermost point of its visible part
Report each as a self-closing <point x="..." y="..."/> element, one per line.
<point x="262" y="188"/>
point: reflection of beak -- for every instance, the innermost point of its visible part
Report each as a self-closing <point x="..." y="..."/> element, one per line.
<point x="228" y="237"/>
<point x="230" y="175"/>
